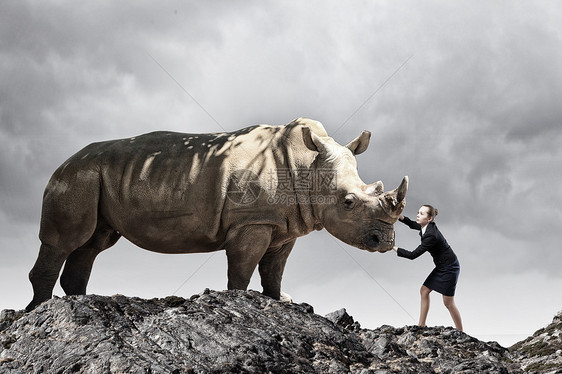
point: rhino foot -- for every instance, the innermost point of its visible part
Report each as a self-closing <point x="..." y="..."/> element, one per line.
<point x="285" y="297"/>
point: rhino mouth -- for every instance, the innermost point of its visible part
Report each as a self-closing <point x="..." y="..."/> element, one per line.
<point x="372" y="242"/>
<point x="380" y="239"/>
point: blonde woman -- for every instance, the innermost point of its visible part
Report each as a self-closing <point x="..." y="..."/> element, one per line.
<point x="443" y="279"/>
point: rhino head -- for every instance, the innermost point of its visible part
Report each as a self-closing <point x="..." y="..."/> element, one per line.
<point x="362" y="215"/>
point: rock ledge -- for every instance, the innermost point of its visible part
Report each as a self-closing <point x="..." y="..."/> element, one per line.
<point x="228" y="331"/>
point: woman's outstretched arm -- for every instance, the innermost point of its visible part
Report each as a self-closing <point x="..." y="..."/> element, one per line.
<point x="408" y="222"/>
<point x="427" y="242"/>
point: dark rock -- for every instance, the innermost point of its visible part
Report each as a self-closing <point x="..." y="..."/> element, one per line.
<point x="414" y="349"/>
<point x="230" y="331"/>
<point x="341" y="318"/>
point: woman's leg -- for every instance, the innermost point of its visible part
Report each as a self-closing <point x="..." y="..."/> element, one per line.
<point x="424" y="307"/>
<point x="449" y="302"/>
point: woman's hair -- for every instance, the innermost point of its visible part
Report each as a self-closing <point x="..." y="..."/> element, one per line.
<point x="431" y="211"/>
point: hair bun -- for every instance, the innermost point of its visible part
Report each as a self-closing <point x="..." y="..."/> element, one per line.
<point x="431" y="211"/>
<point x="436" y="212"/>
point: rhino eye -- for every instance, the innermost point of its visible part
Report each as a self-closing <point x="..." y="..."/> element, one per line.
<point x="349" y="202"/>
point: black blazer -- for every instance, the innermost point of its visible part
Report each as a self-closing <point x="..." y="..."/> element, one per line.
<point x="433" y="242"/>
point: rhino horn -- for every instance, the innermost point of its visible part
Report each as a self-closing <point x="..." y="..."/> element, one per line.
<point x="393" y="202"/>
<point x="359" y="144"/>
<point x="374" y="189"/>
<point x="402" y="189"/>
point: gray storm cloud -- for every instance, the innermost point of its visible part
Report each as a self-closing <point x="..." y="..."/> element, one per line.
<point x="472" y="118"/>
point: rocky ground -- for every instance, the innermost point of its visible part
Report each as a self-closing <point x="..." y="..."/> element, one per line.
<point x="542" y="352"/>
<point x="240" y="332"/>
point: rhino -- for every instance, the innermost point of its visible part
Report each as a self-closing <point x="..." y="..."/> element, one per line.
<point x="250" y="192"/>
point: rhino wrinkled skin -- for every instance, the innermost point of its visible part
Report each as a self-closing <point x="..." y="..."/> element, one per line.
<point x="250" y="192"/>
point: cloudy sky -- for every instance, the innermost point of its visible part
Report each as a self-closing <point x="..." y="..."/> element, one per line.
<point x="463" y="97"/>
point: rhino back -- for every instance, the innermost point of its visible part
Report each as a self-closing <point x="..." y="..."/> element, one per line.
<point x="167" y="191"/>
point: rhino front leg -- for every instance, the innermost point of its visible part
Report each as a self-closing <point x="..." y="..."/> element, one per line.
<point x="271" y="269"/>
<point x="244" y="250"/>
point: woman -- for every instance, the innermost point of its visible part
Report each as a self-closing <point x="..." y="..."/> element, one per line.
<point x="443" y="278"/>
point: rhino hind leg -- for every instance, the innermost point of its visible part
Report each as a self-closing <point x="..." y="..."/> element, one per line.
<point x="78" y="266"/>
<point x="271" y="269"/>
<point x="69" y="218"/>
<point x="44" y="273"/>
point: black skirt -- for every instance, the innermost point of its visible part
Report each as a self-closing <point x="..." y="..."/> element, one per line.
<point x="444" y="280"/>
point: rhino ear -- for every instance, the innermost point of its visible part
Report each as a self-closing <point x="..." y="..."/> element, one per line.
<point x="311" y="140"/>
<point x="359" y="144"/>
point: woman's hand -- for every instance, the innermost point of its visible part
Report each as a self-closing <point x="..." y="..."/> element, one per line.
<point x="401" y="218"/>
<point x="395" y="249"/>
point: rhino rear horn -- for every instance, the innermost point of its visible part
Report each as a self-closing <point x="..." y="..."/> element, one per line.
<point x="359" y="144"/>
<point x="375" y="189"/>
